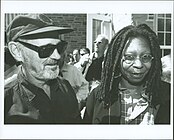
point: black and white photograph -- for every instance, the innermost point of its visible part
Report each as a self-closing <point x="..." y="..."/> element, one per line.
<point x="92" y="73"/>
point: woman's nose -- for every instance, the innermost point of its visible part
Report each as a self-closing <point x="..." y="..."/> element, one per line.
<point x="137" y="63"/>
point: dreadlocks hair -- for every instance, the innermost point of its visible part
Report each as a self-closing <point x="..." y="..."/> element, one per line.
<point x="111" y="74"/>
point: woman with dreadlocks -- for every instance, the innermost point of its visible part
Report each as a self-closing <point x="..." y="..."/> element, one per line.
<point x="131" y="90"/>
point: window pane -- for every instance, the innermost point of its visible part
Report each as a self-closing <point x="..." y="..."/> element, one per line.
<point x="167" y="51"/>
<point x="160" y="24"/>
<point x="150" y="16"/>
<point x="168" y="15"/>
<point x="97" y="26"/>
<point x="168" y="24"/>
<point x="161" y="38"/>
<point x="160" y="15"/>
<point x="168" y="39"/>
<point x="106" y="26"/>
<point x="96" y="30"/>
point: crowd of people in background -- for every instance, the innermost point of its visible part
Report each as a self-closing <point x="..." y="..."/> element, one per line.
<point x="90" y="63"/>
<point x="120" y="82"/>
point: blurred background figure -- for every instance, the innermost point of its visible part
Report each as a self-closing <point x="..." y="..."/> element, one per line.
<point x="166" y="68"/>
<point x="70" y="59"/>
<point x="100" y="45"/>
<point x="76" y="55"/>
<point x="93" y="74"/>
<point x="84" y="60"/>
<point x="76" y="79"/>
<point x="84" y="51"/>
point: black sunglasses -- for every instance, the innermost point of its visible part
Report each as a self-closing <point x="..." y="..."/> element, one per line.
<point x="46" y="50"/>
<point x="83" y="54"/>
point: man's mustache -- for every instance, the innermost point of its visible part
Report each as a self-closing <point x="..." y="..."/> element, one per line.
<point x="51" y="62"/>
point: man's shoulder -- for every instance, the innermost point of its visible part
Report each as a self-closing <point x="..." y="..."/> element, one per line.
<point x="60" y="79"/>
<point x="10" y="83"/>
<point x="77" y="64"/>
<point x="97" y="61"/>
<point x="65" y="86"/>
<point x="63" y="82"/>
<point x="71" y="67"/>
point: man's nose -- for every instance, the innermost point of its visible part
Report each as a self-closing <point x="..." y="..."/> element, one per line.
<point x="55" y="55"/>
<point x="137" y="63"/>
<point x="97" y="43"/>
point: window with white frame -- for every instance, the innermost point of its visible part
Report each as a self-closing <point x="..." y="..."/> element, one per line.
<point x="150" y="17"/>
<point x="98" y="24"/>
<point x="163" y="22"/>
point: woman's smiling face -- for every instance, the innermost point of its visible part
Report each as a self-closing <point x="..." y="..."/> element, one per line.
<point x="133" y="69"/>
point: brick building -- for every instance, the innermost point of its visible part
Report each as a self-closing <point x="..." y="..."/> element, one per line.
<point x="88" y="26"/>
<point x="77" y="38"/>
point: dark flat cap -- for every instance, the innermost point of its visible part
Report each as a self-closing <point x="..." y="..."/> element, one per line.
<point x="34" y="26"/>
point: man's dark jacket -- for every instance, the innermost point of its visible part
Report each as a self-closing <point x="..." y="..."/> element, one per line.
<point x="94" y="70"/>
<point x="28" y="104"/>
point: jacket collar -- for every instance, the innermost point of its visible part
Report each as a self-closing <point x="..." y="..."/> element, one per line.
<point x="30" y="88"/>
<point x="141" y="103"/>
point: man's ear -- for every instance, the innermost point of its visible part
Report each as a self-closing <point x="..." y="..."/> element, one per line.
<point x="15" y="51"/>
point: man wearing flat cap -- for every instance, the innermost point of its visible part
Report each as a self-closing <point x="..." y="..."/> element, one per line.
<point x="38" y="95"/>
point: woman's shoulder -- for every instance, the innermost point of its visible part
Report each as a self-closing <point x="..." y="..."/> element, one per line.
<point x="165" y="87"/>
<point x="163" y="115"/>
<point x="165" y="91"/>
<point x="92" y="95"/>
<point x="95" y="90"/>
<point x="165" y="84"/>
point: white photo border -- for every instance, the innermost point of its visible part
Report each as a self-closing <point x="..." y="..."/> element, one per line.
<point x="82" y="131"/>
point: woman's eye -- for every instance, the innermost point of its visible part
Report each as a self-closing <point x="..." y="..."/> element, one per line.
<point x="129" y="57"/>
<point x="145" y="56"/>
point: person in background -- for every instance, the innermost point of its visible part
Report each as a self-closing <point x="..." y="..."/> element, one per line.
<point x="84" y="51"/>
<point x="38" y="95"/>
<point x="93" y="74"/>
<point x="84" y="60"/>
<point x="131" y="90"/>
<point x="76" y="55"/>
<point x="70" y="59"/>
<point x="166" y="68"/>
<point x="76" y="79"/>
